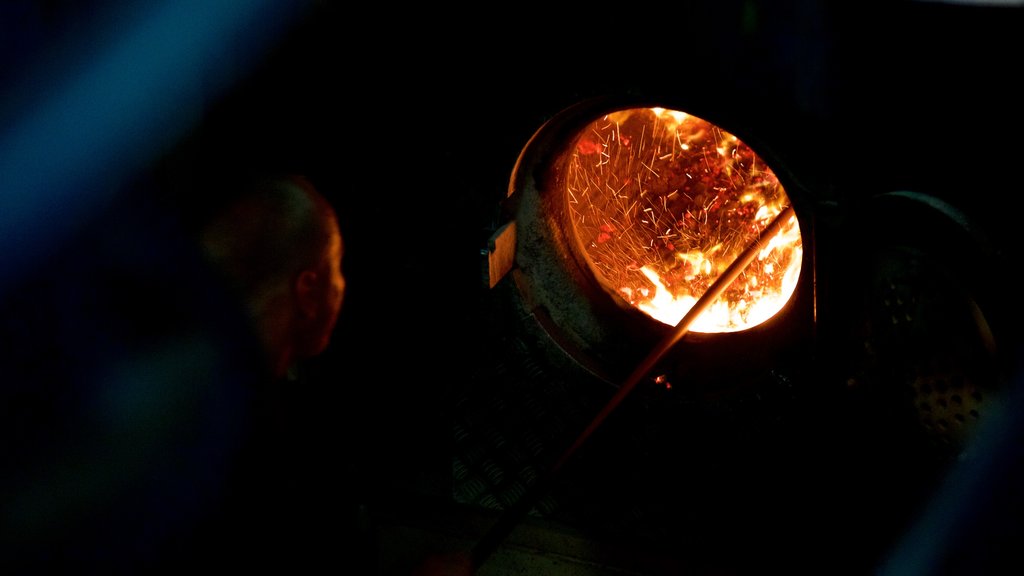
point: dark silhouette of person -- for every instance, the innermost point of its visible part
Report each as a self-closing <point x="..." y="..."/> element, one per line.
<point x="279" y="249"/>
<point x="157" y="416"/>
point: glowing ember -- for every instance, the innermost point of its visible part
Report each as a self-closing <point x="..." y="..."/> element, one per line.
<point x="663" y="202"/>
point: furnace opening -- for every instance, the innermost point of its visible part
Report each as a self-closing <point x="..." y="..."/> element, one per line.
<point x="662" y="202"/>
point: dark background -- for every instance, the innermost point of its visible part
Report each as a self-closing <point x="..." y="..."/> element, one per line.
<point x="411" y="120"/>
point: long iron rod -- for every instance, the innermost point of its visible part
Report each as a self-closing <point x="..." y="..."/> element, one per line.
<point x="504" y="525"/>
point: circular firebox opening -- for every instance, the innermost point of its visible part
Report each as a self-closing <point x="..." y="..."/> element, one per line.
<point x="626" y="214"/>
<point x="662" y="202"/>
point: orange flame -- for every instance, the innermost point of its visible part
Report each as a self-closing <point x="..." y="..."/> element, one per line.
<point x="663" y="202"/>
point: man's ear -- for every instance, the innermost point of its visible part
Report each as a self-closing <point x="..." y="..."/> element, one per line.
<point x="306" y="292"/>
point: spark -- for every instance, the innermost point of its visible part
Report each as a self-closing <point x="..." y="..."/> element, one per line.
<point x="649" y="233"/>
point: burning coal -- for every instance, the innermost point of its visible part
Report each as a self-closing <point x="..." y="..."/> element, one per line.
<point x="662" y="202"/>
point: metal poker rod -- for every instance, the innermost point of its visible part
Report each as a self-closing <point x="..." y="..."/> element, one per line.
<point x="505" y="523"/>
